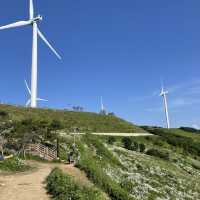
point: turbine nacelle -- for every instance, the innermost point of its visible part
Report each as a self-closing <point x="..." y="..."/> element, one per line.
<point x="38" y="18"/>
<point x="163" y="93"/>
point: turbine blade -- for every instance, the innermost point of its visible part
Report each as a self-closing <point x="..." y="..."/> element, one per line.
<point x="16" y="24"/>
<point x="39" y="99"/>
<point x="48" y="44"/>
<point x="31" y="9"/>
<point x="29" y="91"/>
<point x="28" y="103"/>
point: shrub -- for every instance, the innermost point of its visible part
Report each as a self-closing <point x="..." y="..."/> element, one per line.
<point x="142" y="147"/>
<point x="3" y="114"/>
<point x="157" y="153"/>
<point x="13" y="164"/>
<point x="127" y="143"/>
<point x="111" y="140"/>
<point x="127" y="185"/>
<point x="62" y="187"/>
<point x="189" y="129"/>
<point x="187" y="144"/>
<point x="135" y="146"/>
<point x="101" y="150"/>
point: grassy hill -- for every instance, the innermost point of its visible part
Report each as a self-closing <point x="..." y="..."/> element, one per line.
<point x="147" y="168"/>
<point x="85" y="121"/>
<point x="159" y="167"/>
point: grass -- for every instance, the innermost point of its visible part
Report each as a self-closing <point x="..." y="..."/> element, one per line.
<point x="95" y="158"/>
<point x="154" y="176"/>
<point x="62" y="187"/>
<point x="13" y="165"/>
<point x="194" y="136"/>
<point x="167" y="168"/>
<point x="187" y="142"/>
<point x="85" y="121"/>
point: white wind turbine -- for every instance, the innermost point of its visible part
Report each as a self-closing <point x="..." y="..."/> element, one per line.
<point x="164" y="95"/>
<point x="103" y="110"/>
<point x="102" y="106"/>
<point x="28" y="103"/>
<point x="36" y="32"/>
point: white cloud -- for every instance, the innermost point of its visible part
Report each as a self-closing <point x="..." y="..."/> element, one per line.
<point x="182" y="87"/>
<point x="196" y="126"/>
<point x="180" y="102"/>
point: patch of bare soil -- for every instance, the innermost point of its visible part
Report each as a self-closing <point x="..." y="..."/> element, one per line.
<point x="30" y="185"/>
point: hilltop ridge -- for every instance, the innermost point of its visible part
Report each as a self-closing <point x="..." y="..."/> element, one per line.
<point x="84" y="121"/>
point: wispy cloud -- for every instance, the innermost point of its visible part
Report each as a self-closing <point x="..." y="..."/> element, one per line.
<point x="191" y="87"/>
<point x="158" y="109"/>
<point x="144" y="98"/>
<point x="196" y="126"/>
<point x="185" y="87"/>
<point x="180" y="102"/>
<point x="185" y="94"/>
<point x="181" y="95"/>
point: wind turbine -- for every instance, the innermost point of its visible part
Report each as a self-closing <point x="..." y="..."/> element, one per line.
<point x="102" y="106"/>
<point x="28" y="103"/>
<point x="103" y="111"/>
<point x="164" y="95"/>
<point x="33" y="21"/>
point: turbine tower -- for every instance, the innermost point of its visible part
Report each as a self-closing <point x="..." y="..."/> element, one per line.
<point x="102" y="106"/>
<point x="103" y="110"/>
<point x="33" y="21"/>
<point x="164" y="95"/>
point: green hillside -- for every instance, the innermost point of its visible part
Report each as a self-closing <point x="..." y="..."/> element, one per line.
<point x="165" y="165"/>
<point x="84" y="121"/>
<point x="147" y="168"/>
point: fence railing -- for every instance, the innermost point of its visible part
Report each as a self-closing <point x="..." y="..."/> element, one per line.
<point x="42" y="151"/>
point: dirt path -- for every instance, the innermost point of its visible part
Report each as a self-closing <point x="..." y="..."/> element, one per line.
<point x="113" y="134"/>
<point x="30" y="185"/>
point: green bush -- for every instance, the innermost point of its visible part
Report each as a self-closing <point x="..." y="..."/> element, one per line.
<point x="129" y="144"/>
<point x="157" y="153"/>
<point x="186" y="143"/>
<point x="142" y="147"/>
<point x="111" y="140"/>
<point x="13" y="164"/>
<point x="3" y="114"/>
<point x="101" y="150"/>
<point x="62" y="187"/>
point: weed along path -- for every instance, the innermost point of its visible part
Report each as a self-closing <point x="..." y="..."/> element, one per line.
<point x="30" y="185"/>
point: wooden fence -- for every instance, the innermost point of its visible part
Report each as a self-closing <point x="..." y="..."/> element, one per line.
<point x="42" y="151"/>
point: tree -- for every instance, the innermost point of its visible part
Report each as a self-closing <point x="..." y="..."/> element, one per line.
<point x="142" y="147"/>
<point x="103" y="112"/>
<point x="25" y="132"/>
<point x="111" y="114"/>
<point x="2" y="144"/>
<point x="127" y="142"/>
<point x="5" y="132"/>
<point x="111" y="140"/>
<point x="56" y="125"/>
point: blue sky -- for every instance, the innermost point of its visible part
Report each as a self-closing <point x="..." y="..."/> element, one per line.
<point x="115" y="49"/>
